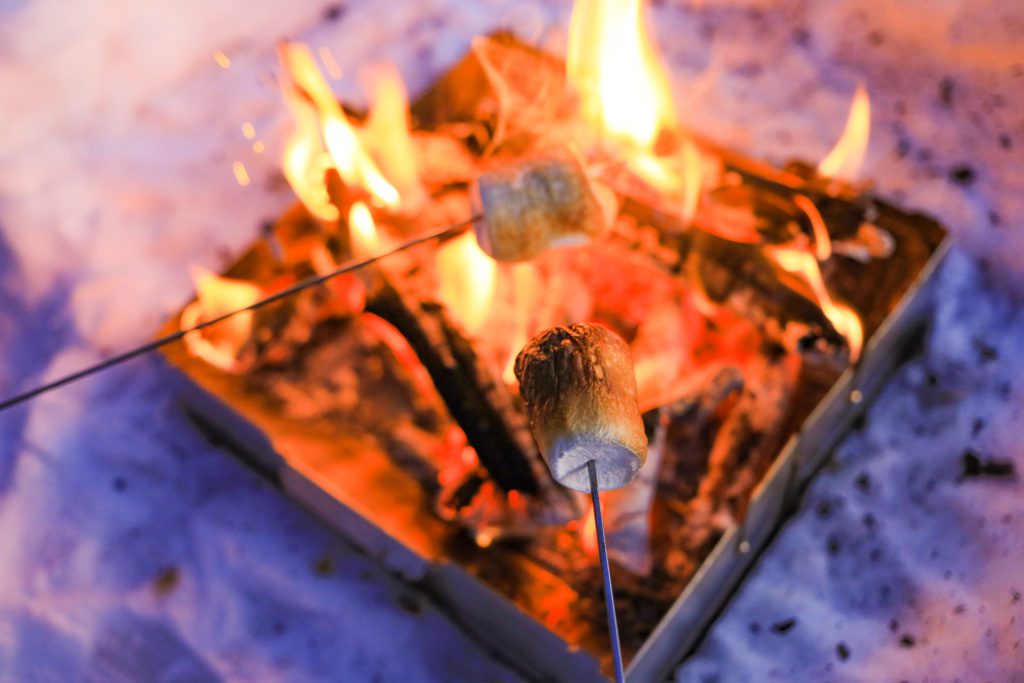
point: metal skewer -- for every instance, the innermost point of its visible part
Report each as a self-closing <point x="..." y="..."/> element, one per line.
<point x="306" y="283"/>
<point x="609" y="597"/>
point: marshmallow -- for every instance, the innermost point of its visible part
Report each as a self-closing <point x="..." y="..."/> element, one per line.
<point x="535" y="205"/>
<point x="580" y="394"/>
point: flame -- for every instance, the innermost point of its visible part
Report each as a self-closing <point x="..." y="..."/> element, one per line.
<point x="219" y="345"/>
<point x="822" y="241"/>
<point x="305" y="159"/>
<point x="387" y="136"/>
<point x="846" y="158"/>
<point x="362" y="231"/>
<point x="843" y="318"/>
<point x="691" y="180"/>
<point x="526" y="290"/>
<point x="302" y="83"/>
<point x="588" y="533"/>
<point x="467" y="281"/>
<point x="613" y="65"/>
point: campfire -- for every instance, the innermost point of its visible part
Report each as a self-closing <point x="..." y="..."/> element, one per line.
<point x="744" y="292"/>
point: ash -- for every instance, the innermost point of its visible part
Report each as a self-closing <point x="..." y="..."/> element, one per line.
<point x="134" y="549"/>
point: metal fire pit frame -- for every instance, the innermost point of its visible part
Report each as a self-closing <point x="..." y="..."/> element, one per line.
<point x="496" y="622"/>
<point x="779" y="492"/>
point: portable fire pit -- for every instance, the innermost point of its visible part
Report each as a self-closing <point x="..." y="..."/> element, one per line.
<point x="764" y="307"/>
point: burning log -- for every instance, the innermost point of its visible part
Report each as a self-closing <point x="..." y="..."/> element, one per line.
<point x="472" y="390"/>
<point x="751" y="434"/>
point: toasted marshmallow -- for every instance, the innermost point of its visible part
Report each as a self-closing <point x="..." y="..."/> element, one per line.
<point x="534" y="205"/>
<point x="580" y="394"/>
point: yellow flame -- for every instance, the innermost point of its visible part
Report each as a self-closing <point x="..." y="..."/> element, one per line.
<point x="692" y="175"/>
<point x="613" y="65"/>
<point x="843" y="318"/>
<point x="846" y="158"/>
<point x="220" y="344"/>
<point x="467" y="281"/>
<point x="305" y="159"/>
<point x="387" y="136"/>
<point x="248" y="130"/>
<point x="362" y="231"/>
<point x="353" y="163"/>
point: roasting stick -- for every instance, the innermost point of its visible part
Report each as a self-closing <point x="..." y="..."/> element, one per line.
<point x="579" y="388"/>
<point x="305" y="283"/>
<point x="606" y="574"/>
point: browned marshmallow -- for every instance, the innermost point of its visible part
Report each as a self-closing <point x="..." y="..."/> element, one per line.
<point x="534" y="205"/>
<point x="580" y="394"/>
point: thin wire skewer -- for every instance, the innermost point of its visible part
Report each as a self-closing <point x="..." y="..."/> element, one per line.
<point x="305" y="283"/>
<point x="609" y="597"/>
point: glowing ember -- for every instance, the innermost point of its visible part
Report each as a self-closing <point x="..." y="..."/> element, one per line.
<point x="352" y="161"/>
<point x="844" y="319"/>
<point x="223" y="61"/>
<point x="526" y="286"/>
<point x="219" y="345"/>
<point x="241" y="175"/>
<point x="467" y="278"/>
<point x="846" y="158"/>
<point x="613" y="65"/>
<point x="362" y="231"/>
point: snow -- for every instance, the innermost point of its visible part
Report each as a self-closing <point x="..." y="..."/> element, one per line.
<point x="133" y="549"/>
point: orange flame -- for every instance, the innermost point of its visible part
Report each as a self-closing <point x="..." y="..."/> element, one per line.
<point x="303" y="78"/>
<point x="843" y="318"/>
<point x="588" y="533"/>
<point x="613" y="65"/>
<point x="467" y="281"/>
<point x="526" y="287"/>
<point x="822" y="241"/>
<point x="846" y="158"/>
<point x="219" y="345"/>
<point x="362" y="231"/>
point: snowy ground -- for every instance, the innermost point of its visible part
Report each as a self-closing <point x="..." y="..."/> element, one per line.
<point x="134" y="550"/>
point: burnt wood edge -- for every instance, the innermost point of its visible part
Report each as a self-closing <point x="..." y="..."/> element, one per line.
<point x="474" y="395"/>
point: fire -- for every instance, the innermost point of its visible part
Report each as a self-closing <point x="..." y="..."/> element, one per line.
<point x="846" y="158"/>
<point x="526" y="285"/>
<point x="843" y="318"/>
<point x="822" y="241"/>
<point x="362" y="231"/>
<point x="613" y="65"/>
<point x="219" y="345"/>
<point x="588" y="533"/>
<point x="303" y="84"/>
<point x="387" y="135"/>
<point x="467" y="281"/>
<point x="305" y="159"/>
